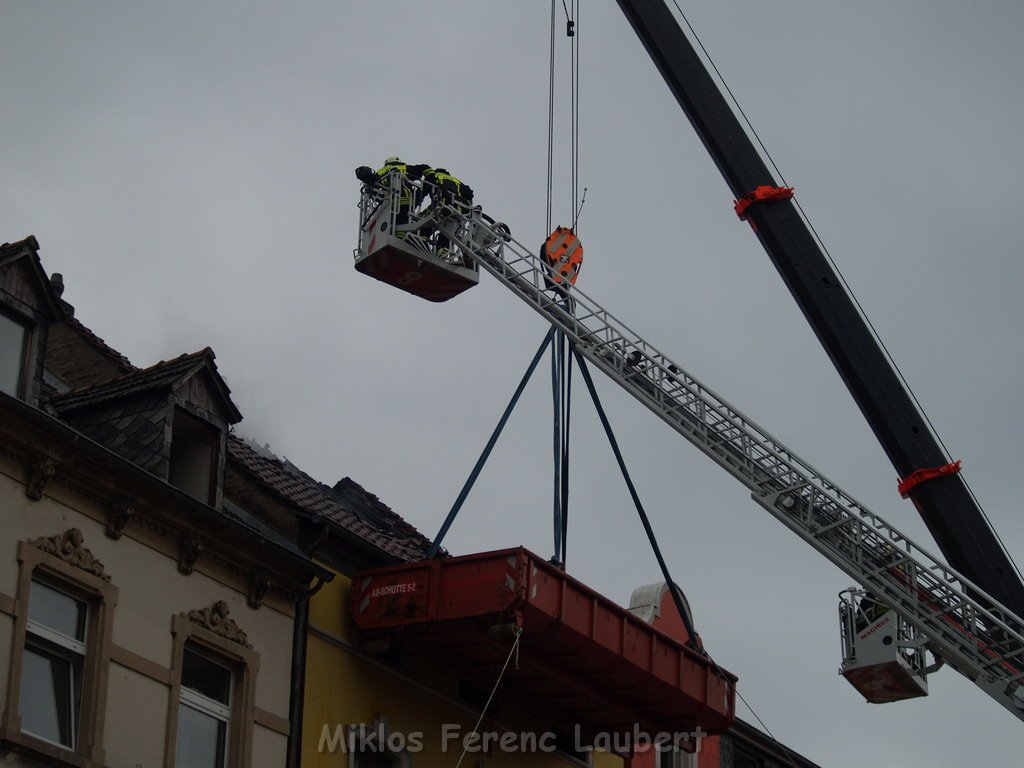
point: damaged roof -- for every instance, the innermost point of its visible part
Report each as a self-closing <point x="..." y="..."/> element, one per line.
<point x="347" y="505"/>
<point x="358" y="513"/>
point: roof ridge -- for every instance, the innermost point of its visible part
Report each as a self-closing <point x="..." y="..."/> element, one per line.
<point x="29" y="241"/>
<point x="136" y="373"/>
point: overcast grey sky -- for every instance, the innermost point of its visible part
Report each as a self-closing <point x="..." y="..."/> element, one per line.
<point x="188" y="167"/>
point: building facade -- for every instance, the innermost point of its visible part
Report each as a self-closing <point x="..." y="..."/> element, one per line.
<point x="145" y="618"/>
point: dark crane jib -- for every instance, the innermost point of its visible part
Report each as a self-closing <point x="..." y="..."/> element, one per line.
<point x="945" y="503"/>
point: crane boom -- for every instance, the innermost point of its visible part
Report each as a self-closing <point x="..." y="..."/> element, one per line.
<point x="945" y="503"/>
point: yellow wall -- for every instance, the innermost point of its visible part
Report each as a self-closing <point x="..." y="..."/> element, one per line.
<point x="344" y="686"/>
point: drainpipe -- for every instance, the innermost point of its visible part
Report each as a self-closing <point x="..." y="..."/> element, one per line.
<point x="298" y="678"/>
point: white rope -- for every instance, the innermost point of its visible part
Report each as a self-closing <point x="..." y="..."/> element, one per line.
<point x="514" y="650"/>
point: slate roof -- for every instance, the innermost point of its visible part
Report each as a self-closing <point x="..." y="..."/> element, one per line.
<point x="134" y="429"/>
<point x="163" y="375"/>
<point x="348" y="504"/>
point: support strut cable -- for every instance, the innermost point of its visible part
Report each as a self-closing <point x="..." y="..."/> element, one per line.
<point x="556" y="444"/>
<point x="694" y="639"/>
<point x="677" y="598"/>
<point x="566" y="413"/>
<point x="471" y="480"/>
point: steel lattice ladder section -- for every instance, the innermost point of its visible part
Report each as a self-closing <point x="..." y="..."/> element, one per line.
<point x="970" y="631"/>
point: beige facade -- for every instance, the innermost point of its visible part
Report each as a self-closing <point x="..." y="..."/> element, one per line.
<point x="142" y="615"/>
<point x="129" y="713"/>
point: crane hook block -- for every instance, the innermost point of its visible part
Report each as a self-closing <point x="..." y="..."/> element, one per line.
<point x="921" y="475"/>
<point x="759" y="195"/>
<point x="564" y="253"/>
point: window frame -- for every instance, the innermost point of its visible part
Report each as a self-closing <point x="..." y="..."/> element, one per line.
<point x="242" y="662"/>
<point x="184" y="430"/>
<point x="27" y="339"/>
<point x="193" y="699"/>
<point x="564" y="747"/>
<point x="382" y="726"/>
<point x="675" y="758"/>
<point x="45" y="641"/>
<point x="100" y="598"/>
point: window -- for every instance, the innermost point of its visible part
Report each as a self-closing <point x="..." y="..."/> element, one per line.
<point x="746" y="757"/>
<point x="567" y="744"/>
<point x="12" y="354"/>
<point x="60" y="652"/>
<point x="374" y="760"/>
<point x="51" y="680"/>
<point x="213" y="687"/>
<point x="194" y="455"/>
<point x="674" y="757"/>
<point x="376" y="746"/>
<point x="204" y="713"/>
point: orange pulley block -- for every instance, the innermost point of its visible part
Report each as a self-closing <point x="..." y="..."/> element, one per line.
<point x="564" y="252"/>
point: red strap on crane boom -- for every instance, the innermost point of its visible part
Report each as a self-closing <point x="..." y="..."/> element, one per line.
<point x="916" y="478"/>
<point x="759" y="195"/>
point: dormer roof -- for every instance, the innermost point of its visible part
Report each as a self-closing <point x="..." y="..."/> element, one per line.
<point x="33" y="290"/>
<point x="171" y="375"/>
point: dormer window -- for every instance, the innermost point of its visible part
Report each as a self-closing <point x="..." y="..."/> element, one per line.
<point x="194" y="456"/>
<point x="171" y="419"/>
<point x="13" y="337"/>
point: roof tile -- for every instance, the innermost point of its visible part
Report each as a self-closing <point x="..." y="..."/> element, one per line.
<point x="347" y="504"/>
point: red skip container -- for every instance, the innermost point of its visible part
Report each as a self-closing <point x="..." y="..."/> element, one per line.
<point x="583" y="660"/>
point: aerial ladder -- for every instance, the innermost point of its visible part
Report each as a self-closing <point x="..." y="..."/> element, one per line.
<point x="966" y="614"/>
<point x="934" y="606"/>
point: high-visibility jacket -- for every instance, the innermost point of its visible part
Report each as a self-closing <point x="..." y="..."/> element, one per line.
<point x="385" y="171"/>
<point x="387" y="168"/>
<point x="449" y="184"/>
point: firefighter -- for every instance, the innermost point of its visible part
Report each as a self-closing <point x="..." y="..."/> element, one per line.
<point x="381" y="178"/>
<point x="449" y="189"/>
<point x="393" y="163"/>
<point x="871" y="610"/>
